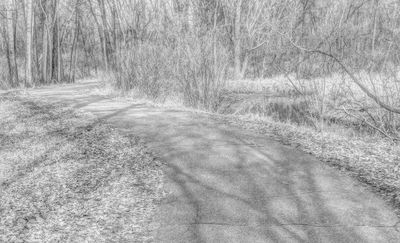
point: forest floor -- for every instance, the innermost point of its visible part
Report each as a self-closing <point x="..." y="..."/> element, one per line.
<point x="229" y="184"/>
<point x="67" y="177"/>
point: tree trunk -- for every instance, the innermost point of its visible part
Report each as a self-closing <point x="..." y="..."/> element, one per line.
<point x="72" y="58"/>
<point x="44" y="49"/>
<point x="11" y="42"/>
<point x="35" y="50"/>
<point x="374" y="25"/>
<point x="107" y="41"/>
<point x="71" y="74"/>
<point x="237" y="40"/>
<point x="15" y="21"/>
<point x="54" y="54"/>
<point x="101" y="36"/>
<point x="59" y="75"/>
<point x="7" y="46"/>
<point x="29" y="39"/>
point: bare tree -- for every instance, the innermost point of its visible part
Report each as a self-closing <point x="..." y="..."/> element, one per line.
<point x="11" y="18"/>
<point x="29" y="42"/>
<point x="237" y="39"/>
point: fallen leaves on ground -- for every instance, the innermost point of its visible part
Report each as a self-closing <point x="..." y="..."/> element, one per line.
<point x="68" y="177"/>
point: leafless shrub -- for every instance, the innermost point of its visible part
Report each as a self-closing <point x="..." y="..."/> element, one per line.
<point x="194" y="69"/>
<point x="201" y="72"/>
<point x="143" y="67"/>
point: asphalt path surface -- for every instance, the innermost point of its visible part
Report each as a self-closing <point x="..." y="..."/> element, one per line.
<point x="231" y="185"/>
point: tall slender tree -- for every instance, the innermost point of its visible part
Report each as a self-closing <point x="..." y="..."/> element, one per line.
<point x="11" y="18"/>
<point x="237" y="39"/>
<point x="29" y="40"/>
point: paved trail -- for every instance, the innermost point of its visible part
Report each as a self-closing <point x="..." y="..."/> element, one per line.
<point x="231" y="185"/>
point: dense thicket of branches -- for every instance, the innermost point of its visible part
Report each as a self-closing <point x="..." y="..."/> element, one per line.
<point x="77" y="36"/>
<point x="195" y="45"/>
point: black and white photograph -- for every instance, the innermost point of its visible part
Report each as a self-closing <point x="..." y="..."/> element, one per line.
<point x="180" y="121"/>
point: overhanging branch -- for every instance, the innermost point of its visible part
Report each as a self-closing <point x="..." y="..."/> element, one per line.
<point x="353" y="78"/>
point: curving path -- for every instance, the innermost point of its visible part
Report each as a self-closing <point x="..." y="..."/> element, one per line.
<point x="231" y="185"/>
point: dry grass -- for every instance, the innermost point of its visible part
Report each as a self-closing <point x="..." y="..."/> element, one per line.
<point x="258" y="85"/>
<point x="67" y="177"/>
<point x="377" y="82"/>
<point x="336" y="99"/>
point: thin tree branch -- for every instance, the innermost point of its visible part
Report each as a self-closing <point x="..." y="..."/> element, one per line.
<point x="371" y="125"/>
<point x="353" y="78"/>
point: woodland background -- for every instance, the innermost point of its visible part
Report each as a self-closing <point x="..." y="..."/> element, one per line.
<point x="318" y="63"/>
